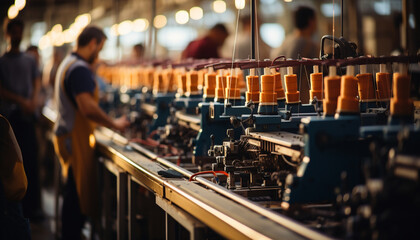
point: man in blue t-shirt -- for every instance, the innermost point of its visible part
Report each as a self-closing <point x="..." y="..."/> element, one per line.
<point x="19" y="90"/>
<point x="76" y="93"/>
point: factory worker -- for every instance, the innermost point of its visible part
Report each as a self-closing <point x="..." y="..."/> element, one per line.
<point x="209" y="45"/>
<point x="76" y="93"/>
<point x="13" y="185"/>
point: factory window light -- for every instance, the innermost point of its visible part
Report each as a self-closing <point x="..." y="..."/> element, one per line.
<point x="159" y="21"/>
<point x="328" y="9"/>
<point x="176" y="38"/>
<point x="20" y="4"/>
<point x="382" y="8"/>
<point x="12" y="12"/>
<point x="181" y="17"/>
<point x="272" y="34"/>
<point x="140" y="25"/>
<point x="219" y="6"/>
<point x="240" y="4"/>
<point x="196" y="13"/>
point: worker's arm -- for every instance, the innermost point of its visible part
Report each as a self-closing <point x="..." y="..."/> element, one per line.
<point x="89" y="108"/>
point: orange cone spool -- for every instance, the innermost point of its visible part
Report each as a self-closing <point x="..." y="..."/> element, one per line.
<point x="292" y="94"/>
<point x="332" y="91"/>
<point x="365" y="83"/>
<point x="192" y="83"/>
<point x="278" y="85"/>
<point x="316" y="84"/>
<point x="221" y="82"/>
<point x="401" y="104"/>
<point x="253" y="87"/>
<point x="209" y="89"/>
<point x="383" y="83"/>
<point x="182" y="83"/>
<point x="267" y="95"/>
<point x="347" y="101"/>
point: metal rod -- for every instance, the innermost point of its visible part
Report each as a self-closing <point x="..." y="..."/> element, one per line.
<point x="342" y="18"/>
<point x="252" y="29"/>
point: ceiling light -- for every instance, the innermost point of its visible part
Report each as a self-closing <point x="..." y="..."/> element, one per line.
<point x="181" y="17"/>
<point x="219" y="6"/>
<point x="159" y="21"/>
<point x="196" y="13"/>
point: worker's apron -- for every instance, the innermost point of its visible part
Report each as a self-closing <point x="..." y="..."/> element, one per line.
<point x="81" y="158"/>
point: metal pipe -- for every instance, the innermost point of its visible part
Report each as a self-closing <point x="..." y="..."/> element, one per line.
<point x="252" y="29"/>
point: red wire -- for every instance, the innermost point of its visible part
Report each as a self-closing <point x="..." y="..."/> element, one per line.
<point x="206" y="172"/>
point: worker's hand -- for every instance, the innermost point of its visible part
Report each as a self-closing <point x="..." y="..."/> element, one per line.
<point x="121" y="123"/>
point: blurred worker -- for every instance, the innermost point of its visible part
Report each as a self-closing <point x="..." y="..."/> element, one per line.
<point x="13" y="185"/>
<point x="208" y="46"/>
<point x="138" y="53"/>
<point x="299" y="43"/>
<point x="243" y="43"/>
<point x="19" y="90"/>
<point x="78" y="112"/>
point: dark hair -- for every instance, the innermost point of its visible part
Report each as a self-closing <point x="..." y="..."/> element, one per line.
<point x="32" y="48"/>
<point x="302" y="17"/>
<point x="14" y="23"/>
<point x="220" y="27"/>
<point x="139" y="46"/>
<point x="89" y="33"/>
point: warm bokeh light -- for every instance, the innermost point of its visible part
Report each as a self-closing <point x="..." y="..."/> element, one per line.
<point x="159" y="21"/>
<point x="44" y="42"/>
<point x="125" y="27"/>
<point x="12" y="12"/>
<point x="181" y="17"/>
<point x="57" y="28"/>
<point x="20" y="4"/>
<point x="196" y="13"/>
<point x="114" y="30"/>
<point x="82" y="20"/>
<point x="240" y="4"/>
<point x="140" y="25"/>
<point x="219" y="6"/>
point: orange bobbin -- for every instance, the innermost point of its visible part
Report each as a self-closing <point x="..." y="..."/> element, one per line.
<point x="169" y="79"/>
<point x="253" y="84"/>
<point x="401" y="104"/>
<point x="316" y="84"/>
<point x="232" y="90"/>
<point x="278" y="85"/>
<point x="221" y="83"/>
<point x="366" y="88"/>
<point x="347" y="101"/>
<point x="332" y="91"/>
<point x="182" y="82"/>
<point x="201" y="73"/>
<point x="209" y="88"/>
<point x="192" y="83"/>
<point x="140" y="76"/>
<point x="158" y="83"/>
<point x="292" y="94"/>
<point x="383" y="83"/>
<point x="267" y="95"/>
<point x="241" y="79"/>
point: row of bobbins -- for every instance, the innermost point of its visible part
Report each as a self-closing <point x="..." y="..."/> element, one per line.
<point x="342" y="93"/>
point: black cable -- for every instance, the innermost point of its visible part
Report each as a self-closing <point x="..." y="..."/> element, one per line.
<point x="253" y="29"/>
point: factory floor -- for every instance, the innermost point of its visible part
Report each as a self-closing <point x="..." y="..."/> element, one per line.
<point x="44" y="229"/>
